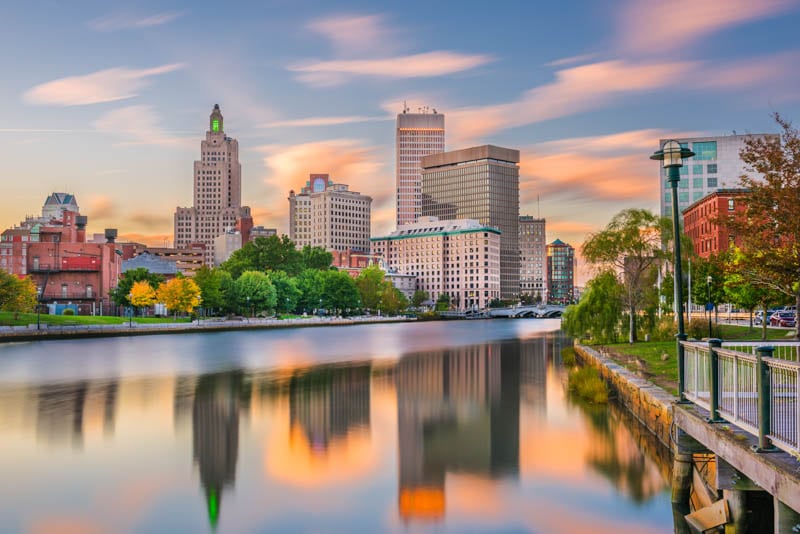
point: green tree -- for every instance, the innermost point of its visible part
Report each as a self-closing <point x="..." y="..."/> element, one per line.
<point x="255" y="293"/>
<point x="210" y="282"/>
<point x="393" y="301"/>
<point x="768" y="228"/>
<point x="315" y="258"/>
<point x="119" y="295"/>
<point x="371" y="284"/>
<point x="597" y="315"/>
<point x="179" y="295"/>
<point x="17" y="295"/>
<point x="265" y="254"/>
<point x="419" y="297"/>
<point x="339" y="291"/>
<point x="631" y="244"/>
<point x="309" y="282"/>
<point x="287" y="293"/>
<point x="443" y="302"/>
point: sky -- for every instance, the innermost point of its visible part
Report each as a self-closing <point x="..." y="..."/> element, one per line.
<point x="110" y="101"/>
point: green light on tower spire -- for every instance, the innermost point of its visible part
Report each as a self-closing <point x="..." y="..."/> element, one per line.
<point x="213" y="508"/>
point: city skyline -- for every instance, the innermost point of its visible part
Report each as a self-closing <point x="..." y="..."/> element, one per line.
<point x="583" y="91"/>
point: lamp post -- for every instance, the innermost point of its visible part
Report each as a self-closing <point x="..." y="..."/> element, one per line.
<point x="130" y="310"/>
<point x="708" y="305"/>
<point x="672" y="156"/>
<point x="248" y="305"/>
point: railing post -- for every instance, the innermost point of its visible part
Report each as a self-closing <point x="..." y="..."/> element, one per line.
<point x="763" y="387"/>
<point x="713" y="381"/>
<point x="681" y="338"/>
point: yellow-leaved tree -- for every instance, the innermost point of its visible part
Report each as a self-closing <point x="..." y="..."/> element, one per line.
<point x="179" y="295"/>
<point x="142" y="294"/>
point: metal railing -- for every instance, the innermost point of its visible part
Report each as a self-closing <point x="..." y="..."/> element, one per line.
<point x="752" y="385"/>
<point x="785" y="350"/>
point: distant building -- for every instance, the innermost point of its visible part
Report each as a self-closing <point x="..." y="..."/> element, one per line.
<point x="329" y="215"/>
<point x="417" y="135"/>
<point x="560" y="273"/>
<point x="480" y="183"/>
<point x="700" y="221"/>
<point x="260" y="231"/>
<point x="57" y="203"/>
<point x="217" y="192"/>
<point x="225" y="245"/>
<point x="154" y="264"/>
<point x="715" y="165"/>
<point x="460" y="258"/>
<point x="532" y="260"/>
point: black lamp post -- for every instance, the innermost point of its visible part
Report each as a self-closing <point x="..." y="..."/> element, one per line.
<point x="672" y="156"/>
<point x="130" y="310"/>
<point x="708" y="306"/>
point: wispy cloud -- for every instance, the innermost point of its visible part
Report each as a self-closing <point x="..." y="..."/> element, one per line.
<point x="324" y="121"/>
<point x="128" y="21"/>
<point x="659" y="26"/>
<point x="100" y="208"/>
<point x="583" y="58"/>
<point x="107" y="85"/>
<point x="427" y="64"/>
<point x="356" y="35"/>
<point x="140" y="125"/>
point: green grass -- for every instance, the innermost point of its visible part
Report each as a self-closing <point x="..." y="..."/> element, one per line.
<point x="585" y="383"/>
<point x="24" y="319"/>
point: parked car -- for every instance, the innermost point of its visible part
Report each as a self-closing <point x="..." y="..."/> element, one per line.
<point x="759" y="316"/>
<point x="783" y="318"/>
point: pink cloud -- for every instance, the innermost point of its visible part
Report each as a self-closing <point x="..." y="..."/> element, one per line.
<point x="125" y="21"/>
<point x="658" y="26"/>
<point x="355" y="34"/>
<point x="324" y="121"/>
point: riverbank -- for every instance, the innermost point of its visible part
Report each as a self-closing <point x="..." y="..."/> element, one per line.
<point x="32" y="333"/>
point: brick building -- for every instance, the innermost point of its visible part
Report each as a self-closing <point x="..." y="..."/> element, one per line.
<point x="700" y="221"/>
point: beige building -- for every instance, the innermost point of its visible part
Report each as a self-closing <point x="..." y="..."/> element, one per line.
<point x="329" y="215"/>
<point x="480" y="183"/>
<point x="217" y="191"/>
<point x="225" y="245"/>
<point x="457" y="257"/>
<point x="418" y="135"/>
<point x="533" y="257"/>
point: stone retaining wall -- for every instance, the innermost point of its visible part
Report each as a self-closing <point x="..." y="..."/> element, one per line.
<point x="650" y="404"/>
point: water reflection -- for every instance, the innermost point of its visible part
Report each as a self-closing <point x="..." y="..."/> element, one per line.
<point x="472" y="438"/>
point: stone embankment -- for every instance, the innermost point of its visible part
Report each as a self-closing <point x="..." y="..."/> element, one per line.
<point x="32" y="333"/>
<point x="650" y="404"/>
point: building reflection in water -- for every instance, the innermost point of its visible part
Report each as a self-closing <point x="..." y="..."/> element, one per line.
<point x="458" y="411"/>
<point x="63" y="411"/>
<point x="215" y="435"/>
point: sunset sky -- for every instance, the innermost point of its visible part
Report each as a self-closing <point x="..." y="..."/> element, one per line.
<point x="110" y="102"/>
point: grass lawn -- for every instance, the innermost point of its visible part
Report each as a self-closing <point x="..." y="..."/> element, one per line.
<point x="23" y="319"/>
<point x="645" y="357"/>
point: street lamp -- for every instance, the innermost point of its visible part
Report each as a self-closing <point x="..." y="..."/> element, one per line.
<point x="708" y="305"/>
<point x="672" y="155"/>
<point x="130" y="310"/>
<point x="248" y="304"/>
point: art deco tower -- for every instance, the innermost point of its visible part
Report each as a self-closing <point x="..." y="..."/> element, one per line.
<point x="418" y="135"/>
<point x="217" y="191"/>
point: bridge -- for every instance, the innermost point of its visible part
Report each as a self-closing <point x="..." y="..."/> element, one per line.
<point x="540" y="311"/>
<point x="740" y="405"/>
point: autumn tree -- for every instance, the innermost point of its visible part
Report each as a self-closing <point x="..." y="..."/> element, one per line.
<point x="630" y="246"/>
<point x="769" y="227"/>
<point x="179" y="295"/>
<point x="142" y="294"/>
<point x="17" y="295"/>
<point x="119" y="295"/>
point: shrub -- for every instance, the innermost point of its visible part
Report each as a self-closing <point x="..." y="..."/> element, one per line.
<point x="568" y="356"/>
<point x="585" y="383"/>
<point x="698" y="329"/>
<point x="68" y="311"/>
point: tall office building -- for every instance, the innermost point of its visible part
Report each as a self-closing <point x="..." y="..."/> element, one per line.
<point x="560" y="273"/>
<point x="532" y="266"/>
<point x="418" y="135"/>
<point x="716" y="165"/>
<point x="329" y="215"/>
<point x="480" y="183"/>
<point x="217" y="191"/>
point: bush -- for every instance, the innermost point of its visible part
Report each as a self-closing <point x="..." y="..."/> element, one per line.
<point x="698" y="329"/>
<point x="68" y="311"/>
<point x="585" y="383"/>
<point x="427" y="316"/>
<point x="568" y="356"/>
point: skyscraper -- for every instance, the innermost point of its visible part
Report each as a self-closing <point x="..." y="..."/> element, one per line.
<point x="560" y="272"/>
<point x="480" y="183"/>
<point x="217" y="191"/>
<point x="532" y="266"/>
<point x="418" y="135"/>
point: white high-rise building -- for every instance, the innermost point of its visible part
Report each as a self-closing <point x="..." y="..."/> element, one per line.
<point x="217" y="191"/>
<point x="418" y="135"/>
<point x="716" y="165"/>
<point x="532" y="258"/>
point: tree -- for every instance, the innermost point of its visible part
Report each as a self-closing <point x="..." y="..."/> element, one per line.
<point x="443" y="302"/>
<point x="419" y="297"/>
<point x="315" y="258"/>
<point x="630" y="245"/>
<point x="339" y="291"/>
<point x="265" y="254"/>
<point x="393" y="301"/>
<point x="598" y="313"/>
<point x="179" y="295"/>
<point x="370" y="284"/>
<point x="768" y="228"/>
<point x="210" y="282"/>
<point x="286" y="291"/>
<point x="142" y="294"/>
<point x="17" y="295"/>
<point x="255" y="292"/>
<point x="309" y="282"/>
<point x="119" y="295"/>
<point x="745" y="294"/>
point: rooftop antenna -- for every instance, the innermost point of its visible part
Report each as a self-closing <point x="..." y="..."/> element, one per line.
<point x="538" y="208"/>
<point x="405" y="107"/>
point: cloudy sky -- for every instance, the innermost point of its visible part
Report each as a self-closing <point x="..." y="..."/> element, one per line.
<point x="110" y="102"/>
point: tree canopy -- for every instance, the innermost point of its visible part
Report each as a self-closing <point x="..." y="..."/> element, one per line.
<point x="119" y="295"/>
<point x="179" y="295"/>
<point x="17" y="295"/>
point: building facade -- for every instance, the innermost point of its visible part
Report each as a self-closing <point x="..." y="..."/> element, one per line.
<point x="480" y="183"/>
<point x="329" y="215"/>
<point x="700" y="221"/>
<point x="417" y="135"/>
<point x="532" y="254"/>
<point x="715" y="165"/>
<point x="460" y="258"/>
<point x="560" y="273"/>
<point x="217" y="191"/>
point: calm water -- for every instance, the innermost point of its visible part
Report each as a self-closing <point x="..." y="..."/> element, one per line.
<point x="444" y="427"/>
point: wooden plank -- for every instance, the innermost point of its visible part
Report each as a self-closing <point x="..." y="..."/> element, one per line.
<point x="704" y="495"/>
<point x="709" y="517"/>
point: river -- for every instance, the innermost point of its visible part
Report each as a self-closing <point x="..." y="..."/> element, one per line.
<point x="459" y="426"/>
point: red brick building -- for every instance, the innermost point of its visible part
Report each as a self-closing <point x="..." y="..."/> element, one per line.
<point x="699" y="221"/>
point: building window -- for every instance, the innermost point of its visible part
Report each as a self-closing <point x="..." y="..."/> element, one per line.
<point x="712" y="168"/>
<point x="697" y="183"/>
<point x="712" y="182"/>
<point x="64" y="289"/>
<point x="697" y="169"/>
<point x="89" y="291"/>
<point x="706" y="150"/>
<point x="730" y="204"/>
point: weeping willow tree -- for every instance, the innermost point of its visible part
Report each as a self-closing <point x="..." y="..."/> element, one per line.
<point x="598" y="313"/>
